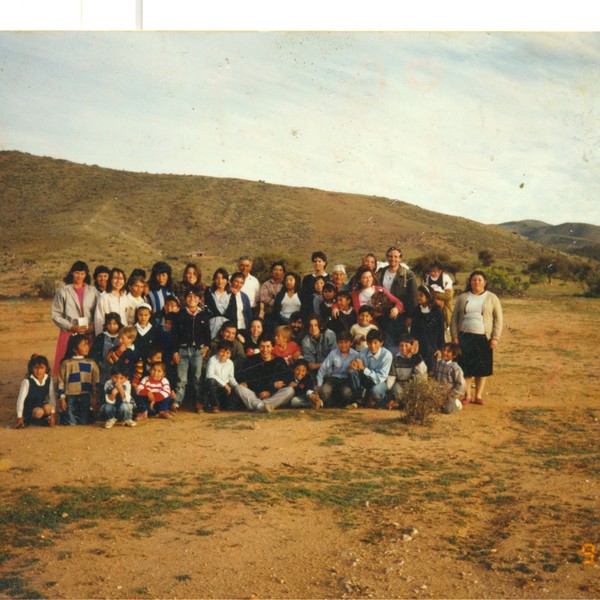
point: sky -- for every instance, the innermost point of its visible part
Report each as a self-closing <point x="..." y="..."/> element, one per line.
<point x="491" y="126"/>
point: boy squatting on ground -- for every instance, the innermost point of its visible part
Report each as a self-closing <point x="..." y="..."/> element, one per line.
<point x="220" y="379"/>
<point x="36" y="401"/>
<point x="305" y="395"/>
<point x="117" y="399"/>
<point x="406" y="366"/>
<point x="448" y="373"/>
<point x="333" y="378"/>
<point x="369" y="373"/>
<point x="154" y="393"/>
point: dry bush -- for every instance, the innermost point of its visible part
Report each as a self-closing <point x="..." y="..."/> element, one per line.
<point x="422" y="398"/>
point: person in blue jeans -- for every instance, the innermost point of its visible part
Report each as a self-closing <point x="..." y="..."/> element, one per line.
<point x="369" y="372"/>
<point x="190" y="340"/>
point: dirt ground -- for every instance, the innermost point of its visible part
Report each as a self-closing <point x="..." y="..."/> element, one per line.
<point x="496" y="501"/>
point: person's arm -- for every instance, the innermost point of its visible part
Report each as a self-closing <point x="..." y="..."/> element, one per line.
<point x="380" y="373"/>
<point x="455" y="319"/>
<point x="58" y="311"/>
<point x="398" y="307"/>
<point x="213" y="372"/>
<point x="100" y="312"/>
<point x="459" y="386"/>
<point x="23" y="391"/>
<point x="497" y="321"/>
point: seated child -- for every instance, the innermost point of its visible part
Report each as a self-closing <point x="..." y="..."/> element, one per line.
<point x="361" y="328"/>
<point x="305" y="395"/>
<point x="369" y="372"/>
<point x="333" y="377"/>
<point x="448" y="373"/>
<point x="220" y="379"/>
<point x="344" y="317"/>
<point x="127" y="355"/>
<point x="406" y="366"/>
<point x="104" y="343"/>
<point x="77" y="379"/>
<point x="284" y="346"/>
<point x="36" y="403"/>
<point x="154" y="393"/>
<point x="118" y="403"/>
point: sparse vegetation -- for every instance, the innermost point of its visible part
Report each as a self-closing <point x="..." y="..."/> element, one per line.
<point x="421" y="399"/>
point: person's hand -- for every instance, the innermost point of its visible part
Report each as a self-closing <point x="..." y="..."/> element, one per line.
<point x="264" y="395"/>
<point x="493" y="344"/>
<point x="278" y="385"/>
<point x="335" y="311"/>
<point x="455" y="340"/>
<point x="227" y="388"/>
<point x="20" y="424"/>
<point x="63" y="404"/>
<point x="394" y="312"/>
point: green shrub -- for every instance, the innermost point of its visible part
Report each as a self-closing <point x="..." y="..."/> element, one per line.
<point x="591" y="285"/>
<point x="503" y="283"/>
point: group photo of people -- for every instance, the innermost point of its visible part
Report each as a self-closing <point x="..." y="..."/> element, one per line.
<point x="148" y="344"/>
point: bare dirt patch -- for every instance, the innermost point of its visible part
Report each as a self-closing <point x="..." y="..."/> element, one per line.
<point x="496" y="501"/>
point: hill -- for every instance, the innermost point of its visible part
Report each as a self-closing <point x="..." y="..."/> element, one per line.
<point x="576" y="238"/>
<point x="55" y="211"/>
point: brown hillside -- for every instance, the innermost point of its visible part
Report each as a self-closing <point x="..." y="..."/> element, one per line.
<point x="54" y="211"/>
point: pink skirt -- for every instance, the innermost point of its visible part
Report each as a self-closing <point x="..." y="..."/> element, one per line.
<point x="61" y="350"/>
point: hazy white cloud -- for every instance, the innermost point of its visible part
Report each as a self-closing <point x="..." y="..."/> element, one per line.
<point x="493" y="126"/>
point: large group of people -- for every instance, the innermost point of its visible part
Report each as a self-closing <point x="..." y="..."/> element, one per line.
<point x="132" y="347"/>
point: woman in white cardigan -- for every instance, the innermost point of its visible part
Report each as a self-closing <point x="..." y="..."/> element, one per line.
<point x="114" y="299"/>
<point x="476" y="325"/>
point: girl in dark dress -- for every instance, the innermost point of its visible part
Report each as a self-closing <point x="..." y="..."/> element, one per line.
<point x="428" y="326"/>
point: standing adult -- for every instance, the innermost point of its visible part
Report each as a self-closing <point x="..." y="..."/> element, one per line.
<point x="268" y="292"/>
<point x="217" y="300"/>
<point x="319" y="262"/>
<point x="113" y="300"/>
<point x="73" y="308"/>
<point x="476" y="325"/>
<point x="242" y="308"/>
<point x="251" y="285"/>
<point x="288" y="300"/>
<point x="367" y="293"/>
<point x="101" y="276"/>
<point x="402" y="283"/>
<point x="191" y="277"/>
<point x="338" y="278"/>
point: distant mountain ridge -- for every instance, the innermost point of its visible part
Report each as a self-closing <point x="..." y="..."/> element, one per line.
<point x="576" y="238"/>
<point x="54" y="211"/>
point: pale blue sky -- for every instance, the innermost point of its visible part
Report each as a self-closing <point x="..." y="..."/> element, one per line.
<point x="493" y="127"/>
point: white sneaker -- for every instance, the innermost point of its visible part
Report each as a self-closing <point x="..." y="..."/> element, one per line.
<point x="129" y="423"/>
<point x="109" y="424"/>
